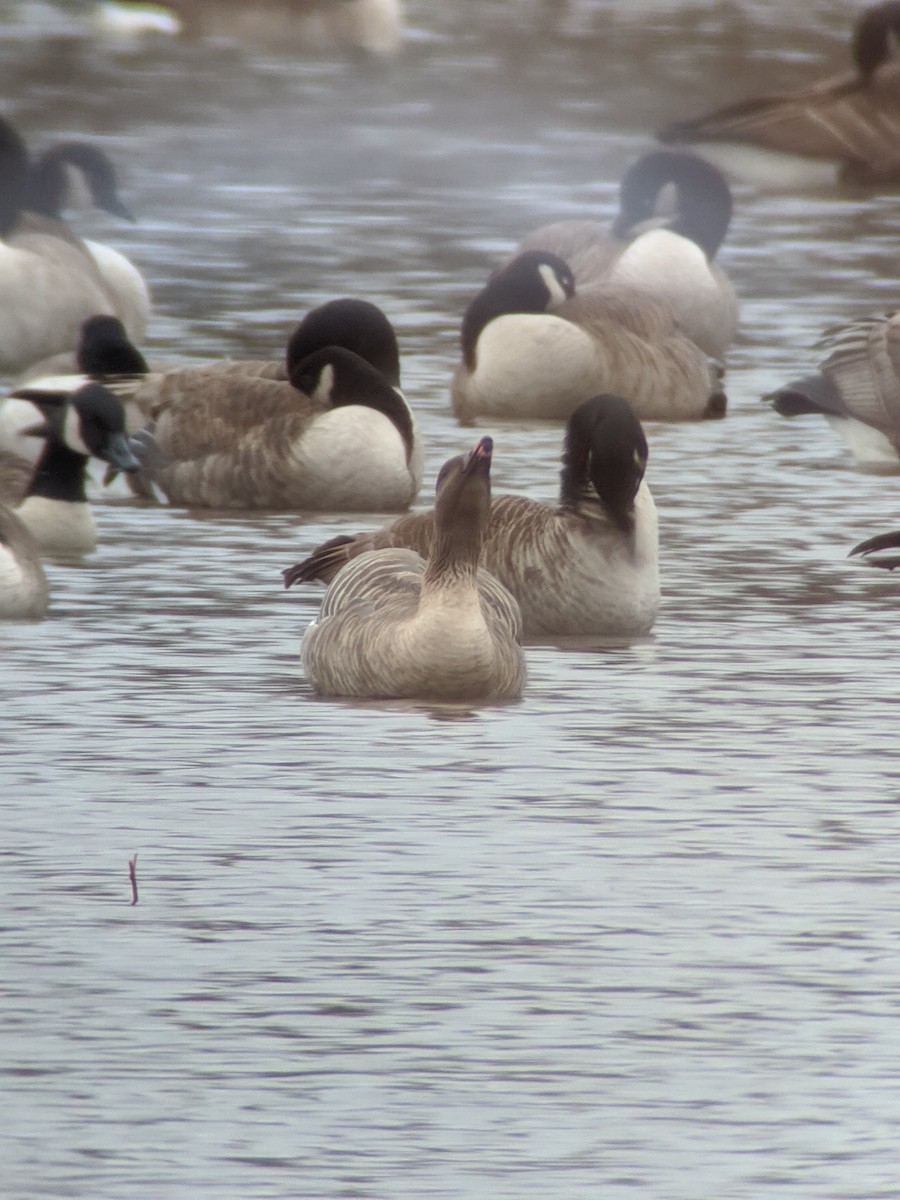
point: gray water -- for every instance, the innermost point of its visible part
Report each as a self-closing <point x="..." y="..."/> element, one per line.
<point x="636" y="936"/>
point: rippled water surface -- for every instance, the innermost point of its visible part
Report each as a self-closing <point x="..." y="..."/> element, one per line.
<point x="634" y="936"/>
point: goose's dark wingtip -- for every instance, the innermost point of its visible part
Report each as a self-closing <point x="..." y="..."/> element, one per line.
<point x="874" y="545"/>
<point x="294" y="574"/>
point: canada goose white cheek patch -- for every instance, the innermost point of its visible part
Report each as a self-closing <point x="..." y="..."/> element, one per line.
<point x="71" y="433"/>
<point x="321" y="393"/>
<point x="554" y="287"/>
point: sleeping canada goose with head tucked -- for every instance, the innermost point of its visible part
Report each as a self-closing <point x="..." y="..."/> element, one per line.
<point x="669" y="251"/>
<point x="396" y="625"/>
<point x="844" y="128"/>
<point x="24" y="594"/>
<point x="857" y="389"/>
<point x="328" y="431"/>
<point x="873" y="550"/>
<point x="53" y="504"/>
<point x="533" y="347"/>
<point x="50" y="280"/>
<point x="586" y="566"/>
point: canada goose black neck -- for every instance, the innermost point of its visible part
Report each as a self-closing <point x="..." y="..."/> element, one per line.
<point x="105" y="349"/>
<point x="461" y="512"/>
<point x="59" y="474"/>
<point x="605" y="456"/>
<point x="871" y="37"/>
<point x="338" y="377"/>
<point x="532" y="283"/>
<point x="13" y="177"/>
<point x="49" y="183"/>
<point x="704" y="197"/>
<point x="354" y="325"/>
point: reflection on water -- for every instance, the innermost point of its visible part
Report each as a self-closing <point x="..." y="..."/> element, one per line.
<point x="634" y="936"/>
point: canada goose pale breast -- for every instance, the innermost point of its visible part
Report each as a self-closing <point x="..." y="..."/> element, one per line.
<point x="395" y="625"/>
<point x="586" y="566"/>
<point x="24" y="593"/>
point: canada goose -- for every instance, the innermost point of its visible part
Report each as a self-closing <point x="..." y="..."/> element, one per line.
<point x="53" y="506"/>
<point x="325" y="431"/>
<point x="373" y="27"/>
<point x="873" y="549"/>
<point x="395" y="625"/>
<point x="586" y="566"/>
<point x="846" y="127"/>
<point x="857" y="389"/>
<point x="23" y="584"/>
<point x="671" y="256"/>
<point x="532" y="347"/>
<point x="105" y="354"/>
<point x="50" y="280"/>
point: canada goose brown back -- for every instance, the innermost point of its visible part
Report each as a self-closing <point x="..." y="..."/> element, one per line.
<point x="585" y="566"/>
<point x="848" y="124"/>
<point x="396" y="625"/>
<point x="534" y="347"/>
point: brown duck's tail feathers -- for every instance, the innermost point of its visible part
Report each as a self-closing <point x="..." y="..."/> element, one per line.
<point x="324" y="563"/>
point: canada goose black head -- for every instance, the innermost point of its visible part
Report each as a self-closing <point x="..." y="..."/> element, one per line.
<point x="50" y="184"/>
<point x="336" y="377"/>
<point x="13" y="177"/>
<point x="605" y="450"/>
<point x="704" y="202"/>
<point x="104" y="348"/>
<point x="534" y="282"/>
<point x="88" y="423"/>
<point x="871" y="45"/>
<point x="355" y="325"/>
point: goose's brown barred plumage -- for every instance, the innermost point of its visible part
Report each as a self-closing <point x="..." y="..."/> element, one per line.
<point x="858" y="384"/>
<point x="585" y="566"/>
<point x="395" y="624"/>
